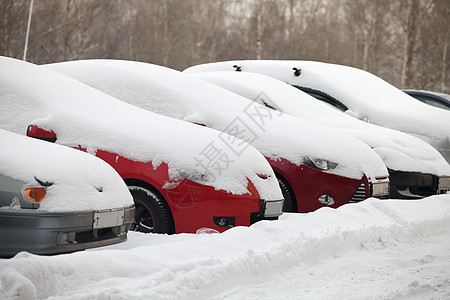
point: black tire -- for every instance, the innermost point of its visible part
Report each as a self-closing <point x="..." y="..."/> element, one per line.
<point x="290" y="202"/>
<point x="152" y="213"/>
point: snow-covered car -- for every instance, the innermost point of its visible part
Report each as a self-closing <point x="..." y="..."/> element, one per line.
<point x="416" y="169"/>
<point x="54" y="199"/>
<point x="432" y="98"/>
<point x="315" y="166"/>
<point x="181" y="176"/>
<point x="356" y="92"/>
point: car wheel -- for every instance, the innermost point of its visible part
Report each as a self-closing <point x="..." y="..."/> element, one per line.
<point x="290" y="203"/>
<point x="151" y="213"/>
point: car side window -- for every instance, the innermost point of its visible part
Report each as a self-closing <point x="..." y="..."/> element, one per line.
<point x="323" y="97"/>
<point x="432" y="101"/>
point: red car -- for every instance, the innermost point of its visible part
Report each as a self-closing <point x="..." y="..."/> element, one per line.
<point x="167" y="164"/>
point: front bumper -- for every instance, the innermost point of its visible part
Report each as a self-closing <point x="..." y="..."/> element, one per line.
<point x="195" y="206"/>
<point x="312" y="188"/>
<point x="269" y="210"/>
<point x="61" y="232"/>
<point x="415" y="185"/>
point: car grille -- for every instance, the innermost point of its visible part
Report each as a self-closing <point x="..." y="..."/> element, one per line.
<point x="360" y="194"/>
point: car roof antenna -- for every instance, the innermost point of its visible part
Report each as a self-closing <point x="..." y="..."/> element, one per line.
<point x="297" y="72"/>
<point x="238" y="68"/>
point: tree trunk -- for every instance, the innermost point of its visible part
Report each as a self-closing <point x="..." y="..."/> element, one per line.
<point x="410" y="40"/>
<point x="166" y="47"/>
<point x="259" y="32"/>
<point x="444" y="64"/>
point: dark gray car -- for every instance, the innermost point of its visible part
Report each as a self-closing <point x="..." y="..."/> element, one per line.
<point x="33" y="215"/>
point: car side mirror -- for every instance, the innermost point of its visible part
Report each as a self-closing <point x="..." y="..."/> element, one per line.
<point x="41" y="134"/>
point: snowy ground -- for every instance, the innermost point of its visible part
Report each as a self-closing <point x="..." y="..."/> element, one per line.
<point x="377" y="249"/>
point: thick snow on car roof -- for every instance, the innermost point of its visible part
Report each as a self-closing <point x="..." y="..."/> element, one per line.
<point x="398" y="150"/>
<point x="81" y="115"/>
<point x="80" y="181"/>
<point x="367" y="96"/>
<point x="179" y="95"/>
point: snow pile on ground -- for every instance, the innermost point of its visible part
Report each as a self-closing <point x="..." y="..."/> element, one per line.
<point x="370" y="250"/>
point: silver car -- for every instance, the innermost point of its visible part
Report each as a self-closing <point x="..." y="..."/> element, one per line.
<point x="56" y="200"/>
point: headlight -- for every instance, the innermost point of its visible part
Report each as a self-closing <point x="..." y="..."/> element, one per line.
<point x="320" y="164"/>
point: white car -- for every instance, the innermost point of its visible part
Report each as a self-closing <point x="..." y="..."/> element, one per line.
<point x="355" y="92"/>
<point x="416" y="169"/>
<point x="316" y="166"/>
<point x="179" y="182"/>
<point x="55" y="200"/>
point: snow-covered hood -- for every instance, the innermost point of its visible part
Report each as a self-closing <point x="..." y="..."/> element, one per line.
<point x="80" y="182"/>
<point x="399" y="151"/>
<point x="367" y="96"/>
<point x="81" y="115"/>
<point x="181" y="96"/>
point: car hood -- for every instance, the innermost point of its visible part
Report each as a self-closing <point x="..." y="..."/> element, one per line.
<point x="81" y="115"/>
<point x="181" y="96"/>
<point x="399" y="151"/>
<point x="75" y="181"/>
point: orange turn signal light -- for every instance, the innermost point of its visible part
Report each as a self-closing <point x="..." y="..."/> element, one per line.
<point x="34" y="194"/>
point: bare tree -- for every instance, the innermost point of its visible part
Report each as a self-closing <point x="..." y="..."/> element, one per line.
<point x="410" y="28"/>
<point x="403" y="41"/>
<point x="13" y="25"/>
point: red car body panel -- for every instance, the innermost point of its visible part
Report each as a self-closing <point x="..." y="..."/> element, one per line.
<point x="193" y="205"/>
<point x="307" y="192"/>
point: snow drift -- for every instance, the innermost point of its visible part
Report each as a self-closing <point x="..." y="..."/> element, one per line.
<point x="204" y="266"/>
